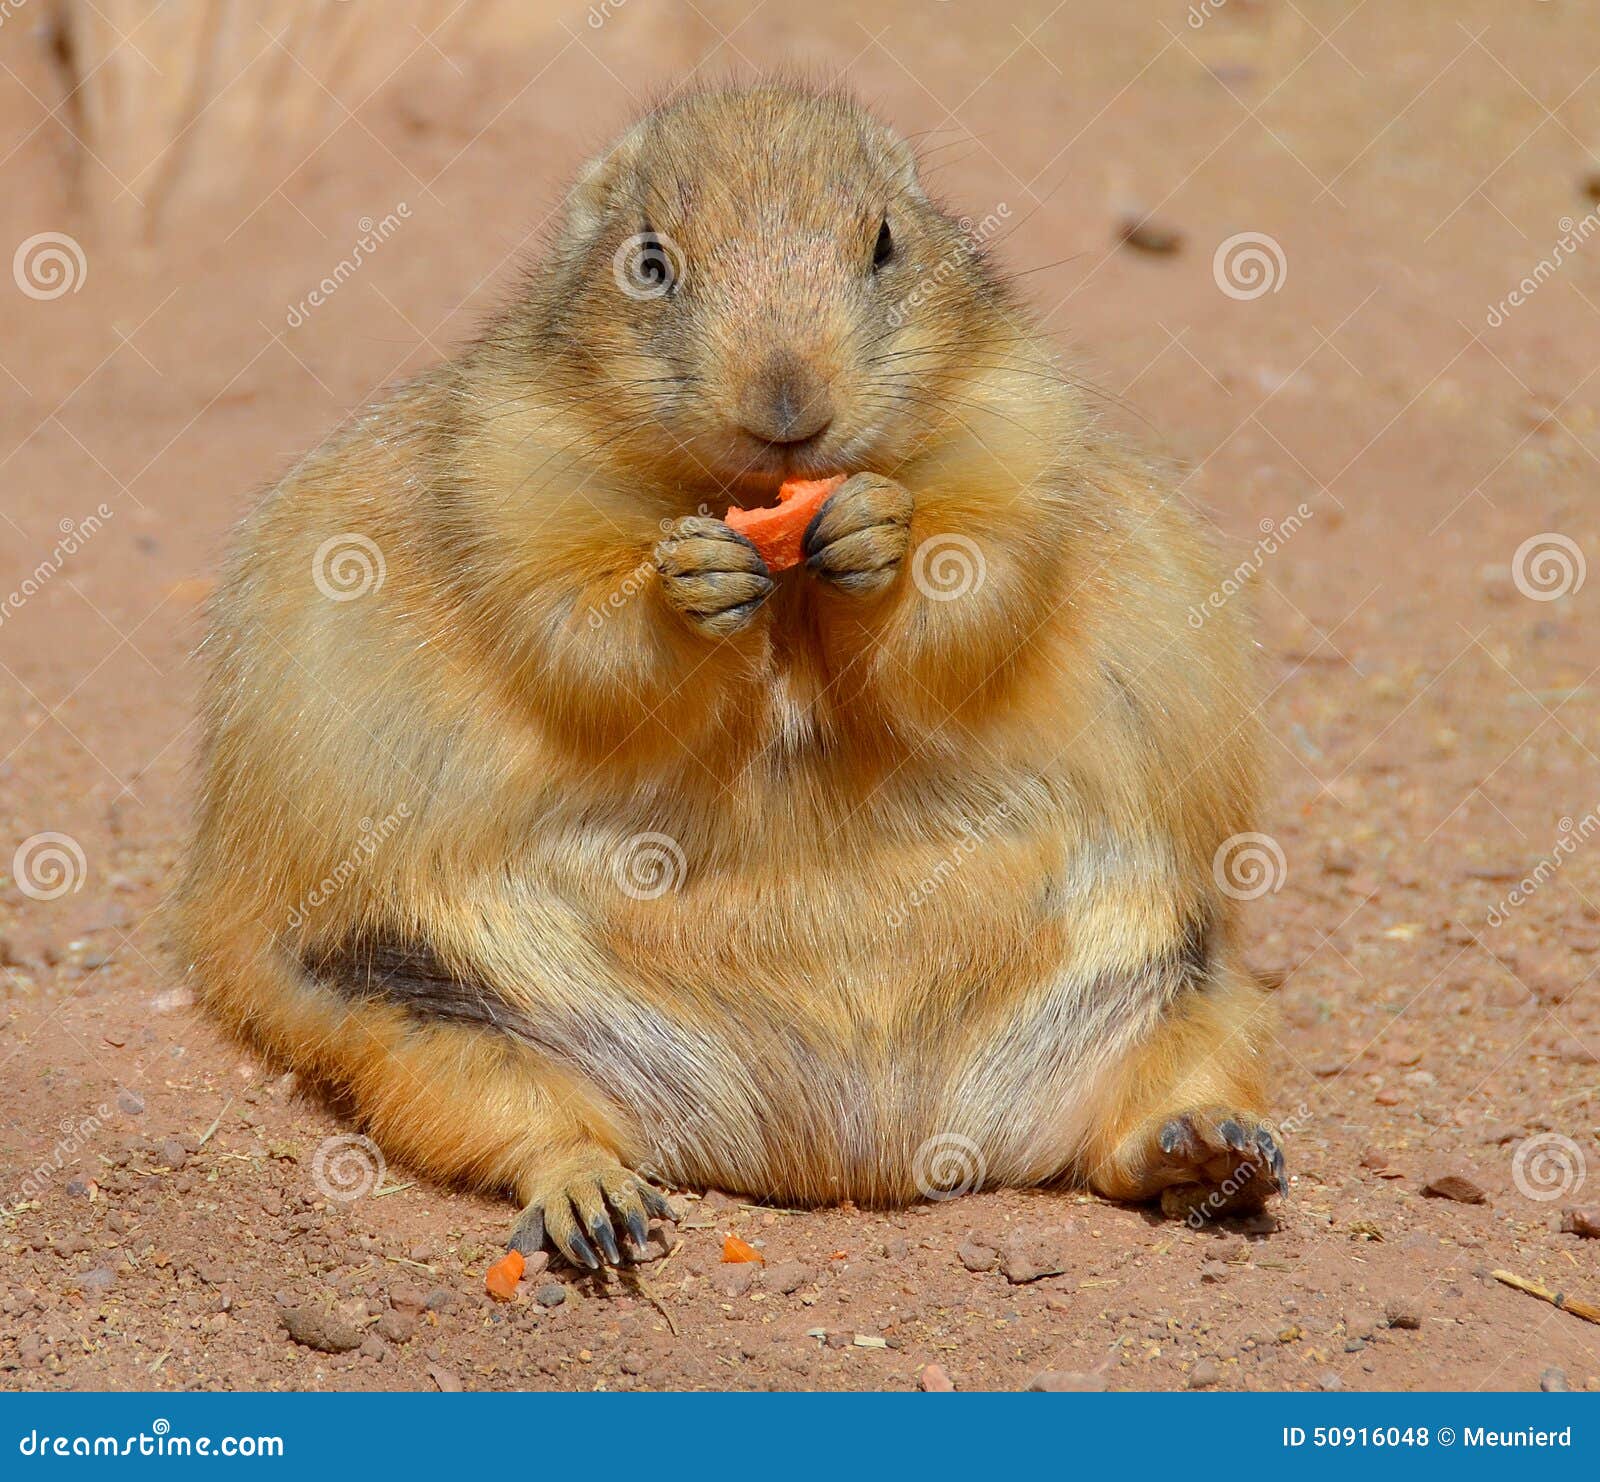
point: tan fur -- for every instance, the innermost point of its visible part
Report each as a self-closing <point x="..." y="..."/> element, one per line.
<point x="1059" y="752"/>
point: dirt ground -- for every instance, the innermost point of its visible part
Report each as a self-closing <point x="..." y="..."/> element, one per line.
<point x="1380" y="422"/>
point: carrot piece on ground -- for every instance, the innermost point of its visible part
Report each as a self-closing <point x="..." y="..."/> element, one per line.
<point x="735" y="1249"/>
<point x="501" y="1282"/>
<point x="776" y="530"/>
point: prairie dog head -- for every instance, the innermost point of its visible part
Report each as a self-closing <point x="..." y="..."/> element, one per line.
<point x="758" y="285"/>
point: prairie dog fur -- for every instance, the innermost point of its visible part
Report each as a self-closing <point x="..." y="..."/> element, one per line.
<point x="581" y="852"/>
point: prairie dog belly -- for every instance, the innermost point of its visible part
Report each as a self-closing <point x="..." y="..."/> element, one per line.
<point x="744" y="1045"/>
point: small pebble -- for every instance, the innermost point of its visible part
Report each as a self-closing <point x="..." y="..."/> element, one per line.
<point x="1026" y="1255"/>
<point x="1149" y="235"/>
<point x="1584" y="1222"/>
<point x="323" y="1331"/>
<point x="734" y="1280"/>
<point x="406" y="1298"/>
<point x="551" y="1294"/>
<point x="657" y="1245"/>
<point x="397" y="1327"/>
<point x="976" y="1256"/>
<point x="1458" y="1185"/>
<point x="1402" y="1312"/>
<point x="1400" y="1053"/>
<point x="785" y="1276"/>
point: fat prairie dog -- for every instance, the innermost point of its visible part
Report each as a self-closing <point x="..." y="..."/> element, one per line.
<point x="579" y="853"/>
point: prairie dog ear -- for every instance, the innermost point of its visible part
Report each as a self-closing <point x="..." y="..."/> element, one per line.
<point x="903" y="161"/>
<point x="592" y="191"/>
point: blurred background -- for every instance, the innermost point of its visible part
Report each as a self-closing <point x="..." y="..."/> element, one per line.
<point x="1334" y="255"/>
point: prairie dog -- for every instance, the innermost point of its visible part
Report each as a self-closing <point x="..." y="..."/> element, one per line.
<point x="580" y="853"/>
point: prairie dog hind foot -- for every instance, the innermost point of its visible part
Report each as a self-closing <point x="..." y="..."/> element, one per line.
<point x="1206" y="1163"/>
<point x="588" y="1208"/>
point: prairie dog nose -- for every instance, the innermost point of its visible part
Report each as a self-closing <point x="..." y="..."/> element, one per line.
<point x="785" y="400"/>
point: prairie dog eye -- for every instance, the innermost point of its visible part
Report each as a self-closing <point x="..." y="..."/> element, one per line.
<point x="655" y="265"/>
<point x="647" y="265"/>
<point x="884" y="249"/>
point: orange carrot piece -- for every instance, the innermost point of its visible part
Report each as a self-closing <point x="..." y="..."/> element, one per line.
<point x="776" y="530"/>
<point x="501" y="1281"/>
<point x="735" y="1249"/>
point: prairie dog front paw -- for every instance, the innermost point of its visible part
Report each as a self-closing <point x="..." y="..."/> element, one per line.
<point x="858" y="538"/>
<point x="711" y="575"/>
